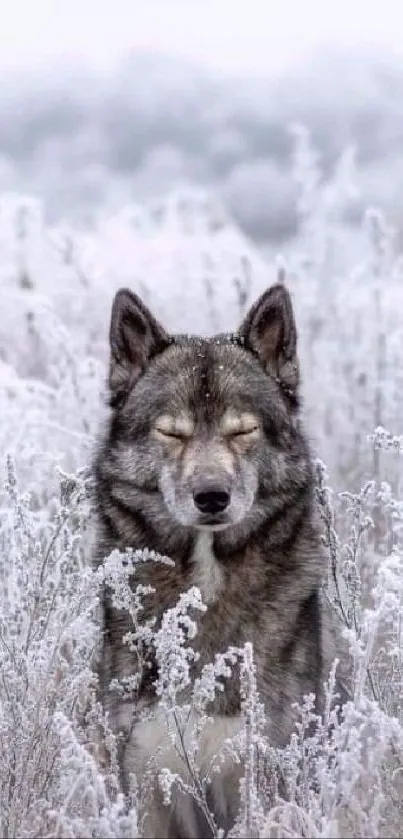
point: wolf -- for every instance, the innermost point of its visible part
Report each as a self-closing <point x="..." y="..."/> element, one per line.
<point x="205" y="460"/>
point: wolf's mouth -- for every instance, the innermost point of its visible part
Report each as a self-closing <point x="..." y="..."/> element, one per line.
<point x="218" y="522"/>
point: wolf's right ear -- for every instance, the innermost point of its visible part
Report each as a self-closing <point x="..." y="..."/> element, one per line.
<point x="134" y="337"/>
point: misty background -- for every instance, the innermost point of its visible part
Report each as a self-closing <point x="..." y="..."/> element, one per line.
<point x="87" y="140"/>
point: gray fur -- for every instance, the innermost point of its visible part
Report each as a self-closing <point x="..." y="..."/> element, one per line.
<point x="261" y="563"/>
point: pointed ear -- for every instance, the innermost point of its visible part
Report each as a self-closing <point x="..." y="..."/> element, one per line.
<point x="269" y="331"/>
<point x="134" y="337"/>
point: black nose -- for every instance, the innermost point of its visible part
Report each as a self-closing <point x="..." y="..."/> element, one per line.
<point x="212" y="501"/>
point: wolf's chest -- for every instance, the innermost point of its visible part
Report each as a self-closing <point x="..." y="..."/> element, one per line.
<point x="206" y="572"/>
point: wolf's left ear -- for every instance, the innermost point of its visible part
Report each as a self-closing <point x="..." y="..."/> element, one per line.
<point x="269" y="331"/>
<point x="134" y="337"/>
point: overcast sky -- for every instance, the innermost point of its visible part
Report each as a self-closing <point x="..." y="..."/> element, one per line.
<point x="244" y="36"/>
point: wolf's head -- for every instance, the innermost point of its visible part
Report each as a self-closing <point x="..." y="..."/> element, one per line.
<point x="205" y="432"/>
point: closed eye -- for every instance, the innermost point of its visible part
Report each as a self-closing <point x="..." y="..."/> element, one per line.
<point x="174" y="435"/>
<point x="244" y="432"/>
<point x="240" y="425"/>
<point x="174" y="428"/>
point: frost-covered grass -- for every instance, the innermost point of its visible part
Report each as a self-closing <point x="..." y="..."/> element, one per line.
<point x="198" y="273"/>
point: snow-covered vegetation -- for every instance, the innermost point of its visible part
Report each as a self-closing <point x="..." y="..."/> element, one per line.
<point x="198" y="273"/>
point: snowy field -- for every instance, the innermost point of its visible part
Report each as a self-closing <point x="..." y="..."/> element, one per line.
<point x="198" y="273"/>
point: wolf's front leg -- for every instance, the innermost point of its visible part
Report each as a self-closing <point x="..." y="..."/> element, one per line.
<point x="203" y="800"/>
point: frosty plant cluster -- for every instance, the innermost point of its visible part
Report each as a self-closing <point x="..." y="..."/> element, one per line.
<point x="57" y="284"/>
